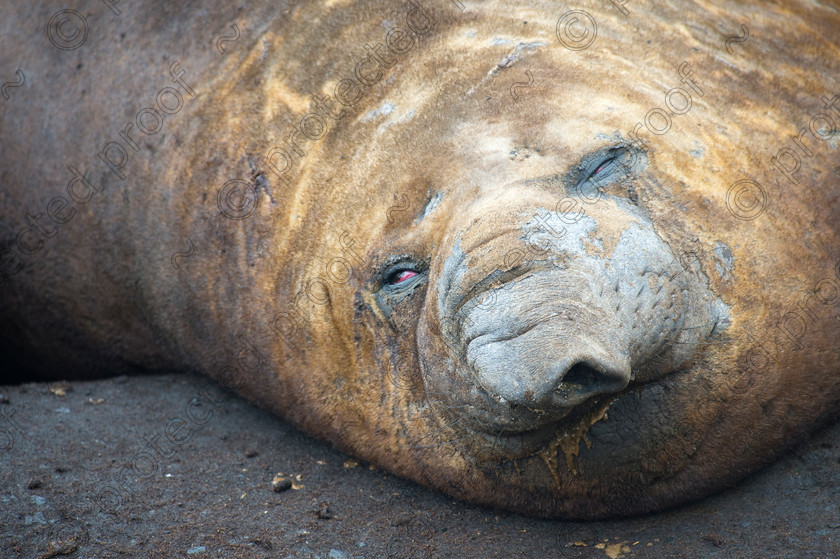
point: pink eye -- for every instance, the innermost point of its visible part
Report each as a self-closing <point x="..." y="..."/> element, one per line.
<point x="404" y="275"/>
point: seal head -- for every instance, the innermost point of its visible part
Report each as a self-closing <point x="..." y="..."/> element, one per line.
<point x="549" y="296"/>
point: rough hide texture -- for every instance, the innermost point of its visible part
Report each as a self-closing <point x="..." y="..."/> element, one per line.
<point x="572" y="264"/>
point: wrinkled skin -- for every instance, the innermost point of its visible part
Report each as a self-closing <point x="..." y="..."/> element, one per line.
<point x="508" y="299"/>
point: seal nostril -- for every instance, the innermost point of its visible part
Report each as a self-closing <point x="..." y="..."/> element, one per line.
<point x="582" y="376"/>
<point x="583" y="381"/>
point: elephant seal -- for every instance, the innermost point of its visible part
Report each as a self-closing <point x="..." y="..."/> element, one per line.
<point x="570" y="262"/>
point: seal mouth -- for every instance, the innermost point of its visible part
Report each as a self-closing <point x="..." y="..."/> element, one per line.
<point x="514" y="444"/>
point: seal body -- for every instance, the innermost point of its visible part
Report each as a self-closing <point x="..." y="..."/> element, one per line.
<point x="572" y="263"/>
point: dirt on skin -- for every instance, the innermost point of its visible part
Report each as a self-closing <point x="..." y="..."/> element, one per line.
<point x="173" y="466"/>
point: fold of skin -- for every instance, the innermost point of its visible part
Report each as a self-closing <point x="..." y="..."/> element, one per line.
<point x="679" y="334"/>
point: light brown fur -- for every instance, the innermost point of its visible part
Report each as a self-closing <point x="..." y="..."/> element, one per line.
<point x="103" y="295"/>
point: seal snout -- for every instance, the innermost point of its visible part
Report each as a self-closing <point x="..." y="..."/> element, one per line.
<point x="558" y="389"/>
<point x="539" y="315"/>
<point x="552" y="366"/>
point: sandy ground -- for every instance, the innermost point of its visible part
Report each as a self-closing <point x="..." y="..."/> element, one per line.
<point x="172" y="466"/>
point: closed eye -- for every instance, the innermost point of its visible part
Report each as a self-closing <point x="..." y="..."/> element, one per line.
<point x="604" y="167"/>
<point x="601" y="169"/>
<point x="402" y="273"/>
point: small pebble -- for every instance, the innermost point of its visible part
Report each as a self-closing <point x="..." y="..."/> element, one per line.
<point x="324" y="513"/>
<point x="280" y="483"/>
<point x="34" y="483"/>
<point x="37" y="518"/>
<point x="401" y="520"/>
<point x="197" y="549"/>
<point x="338" y="554"/>
<point x="60" y="389"/>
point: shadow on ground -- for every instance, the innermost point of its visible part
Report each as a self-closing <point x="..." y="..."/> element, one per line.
<point x="171" y="466"/>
